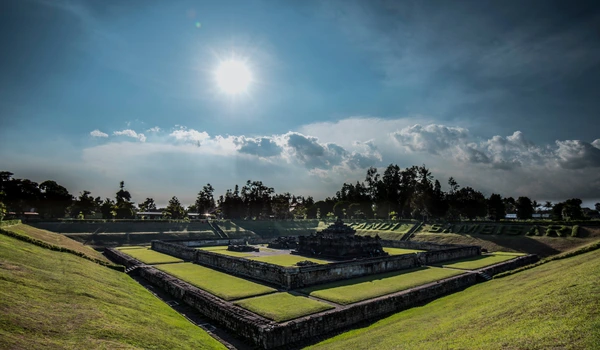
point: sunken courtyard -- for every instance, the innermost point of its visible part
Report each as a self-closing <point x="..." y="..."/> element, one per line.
<point x="290" y="290"/>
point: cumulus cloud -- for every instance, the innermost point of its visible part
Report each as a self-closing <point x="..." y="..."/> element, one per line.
<point x="431" y="138"/>
<point x="132" y="134"/>
<point x="190" y="135"/>
<point x="98" y="133"/>
<point x="154" y="129"/>
<point x="260" y="146"/>
<point x="576" y="154"/>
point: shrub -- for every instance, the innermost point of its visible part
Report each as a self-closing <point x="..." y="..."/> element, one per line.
<point x="575" y="231"/>
<point x="563" y="231"/>
<point x="550" y="232"/>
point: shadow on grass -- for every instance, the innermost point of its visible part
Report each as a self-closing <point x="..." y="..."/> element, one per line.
<point x="522" y="244"/>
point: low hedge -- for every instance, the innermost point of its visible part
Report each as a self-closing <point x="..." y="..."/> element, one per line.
<point x="46" y="245"/>
<point x="582" y="250"/>
<point x="9" y="222"/>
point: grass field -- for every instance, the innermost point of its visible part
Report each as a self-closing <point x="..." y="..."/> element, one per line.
<point x="149" y="256"/>
<point x="286" y="259"/>
<point x="53" y="300"/>
<point x="478" y="262"/>
<point x="55" y="239"/>
<point x="217" y="283"/>
<point x="552" y="306"/>
<point x="223" y="250"/>
<point x="368" y="287"/>
<point x="281" y="307"/>
<point x="400" y="251"/>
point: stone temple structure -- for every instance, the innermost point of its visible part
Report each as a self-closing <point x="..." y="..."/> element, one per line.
<point x="338" y="241"/>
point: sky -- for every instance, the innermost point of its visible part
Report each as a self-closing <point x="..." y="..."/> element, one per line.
<point x="500" y="95"/>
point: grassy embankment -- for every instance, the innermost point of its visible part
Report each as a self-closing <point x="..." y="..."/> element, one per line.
<point x="281" y="307"/>
<point x="214" y="282"/>
<point x="552" y="306"/>
<point x="56" y="300"/>
<point x="385" y="229"/>
<point x="268" y="228"/>
<point x="149" y="256"/>
<point x="368" y="287"/>
<point x="540" y="245"/>
<point x="478" y="262"/>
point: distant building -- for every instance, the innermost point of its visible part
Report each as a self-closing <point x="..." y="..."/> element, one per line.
<point x="511" y="216"/>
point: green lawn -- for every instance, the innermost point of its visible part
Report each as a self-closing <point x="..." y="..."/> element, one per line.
<point x="286" y="259"/>
<point x="217" y="283"/>
<point x="552" y="306"/>
<point x="478" y="262"/>
<point x="281" y="307"/>
<point x="223" y="250"/>
<point x="368" y="287"/>
<point x="400" y="251"/>
<point x="149" y="256"/>
<point x="54" y="300"/>
<point x="133" y="247"/>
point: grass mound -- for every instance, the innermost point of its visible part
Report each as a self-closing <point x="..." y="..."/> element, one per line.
<point x="553" y="306"/>
<point x="287" y="259"/>
<point x="149" y="256"/>
<point x="53" y="300"/>
<point x="54" y="239"/>
<point x="217" y="283"/>
<point x="478" y="262"/>
<point x="281" y="307"/>
<point x="368" y="287"/>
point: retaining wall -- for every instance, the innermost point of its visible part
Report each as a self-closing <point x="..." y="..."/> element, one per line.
<point x="437" y="256"/>
<point x="122" y="227"/>
<point x="418" y="245"/>
<point x="510" y="265"/>
<point x="121" y="258"/>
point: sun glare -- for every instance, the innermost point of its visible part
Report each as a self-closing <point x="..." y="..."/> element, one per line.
<point x="233" y="76"/>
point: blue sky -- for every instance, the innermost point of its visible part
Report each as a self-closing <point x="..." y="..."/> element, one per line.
<point x="501" y="95"/>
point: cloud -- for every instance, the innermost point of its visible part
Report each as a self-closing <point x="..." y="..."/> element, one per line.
<point x="260" y="146"/>
<point x="432" y="138"/>
<point x="190" y="135"/>
<point x="131" y="133"/>
<point x="154" y="129"/>
<point x="576" y="154"/>
<point x="98" y="133"/>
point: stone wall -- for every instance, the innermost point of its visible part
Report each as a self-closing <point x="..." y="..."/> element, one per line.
<point x="300" y="277"/>
<point x="123" y="227"/>
<point x="510" y="265"/>
<point x="438" y="256"/>
<point x="417" y="245"/>
<point x="121" y="258"/>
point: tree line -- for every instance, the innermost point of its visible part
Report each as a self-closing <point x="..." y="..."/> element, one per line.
<point x="410" y="193"/>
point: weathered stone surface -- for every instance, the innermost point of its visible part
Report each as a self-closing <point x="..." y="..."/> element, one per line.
<point x="510" y="265"/>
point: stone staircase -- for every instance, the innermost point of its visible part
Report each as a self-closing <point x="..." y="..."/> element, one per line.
<point x="484" y="275"/>
<point x="217" y="230"/>
<point x="132" y="269"/>
<point x="408" y="235"/>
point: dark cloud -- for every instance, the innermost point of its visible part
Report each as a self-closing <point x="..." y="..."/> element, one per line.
<point x="576" y="154"/>
<point x="261" y="146"/>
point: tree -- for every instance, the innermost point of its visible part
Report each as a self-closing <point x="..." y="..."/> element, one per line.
<point x="548" y="205"/>
<point x="125" y="207"/>
<point x="205" y="202"/>
<point x="470" y="203"/>
<point x="496" y="208"/>
<point x="524" y="208"/>
<point x="54" y="200"/>
<point x="597" y="206"/>
<point x="174" y="210"/>
<point x="147" y="205"/>
<point x="572" y="209"/>
<point x="84" y="204"/>
<point x="108" y="208"/>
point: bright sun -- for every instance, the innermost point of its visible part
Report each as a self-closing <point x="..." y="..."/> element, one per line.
<point x="233" y="76"/>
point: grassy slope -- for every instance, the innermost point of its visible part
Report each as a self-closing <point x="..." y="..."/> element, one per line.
<point x="479" y="261"/>
<point x="385" y="230"/>
<point x="543" y="246"/>
<point x="281" y="307"/>
<point x="363" y="288"/>
<point x="217" y="283"/>
<point x="553" y="306"/>
<point x="55" y="239"/>
<point x="55" y="300"/>
<point x="149" y="256"/>
<point x="267" y="228"/>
